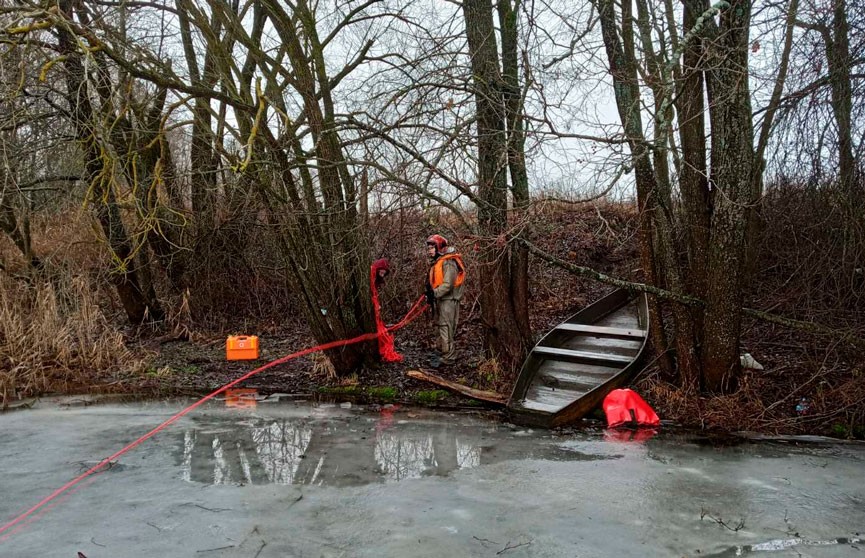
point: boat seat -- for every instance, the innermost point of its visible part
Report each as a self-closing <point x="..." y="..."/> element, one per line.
<point x="554" y="353"/>
<point x="603" y="331"/>
<point x="537" y="406"/>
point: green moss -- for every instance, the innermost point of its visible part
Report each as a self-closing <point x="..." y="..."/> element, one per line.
<point x="428" y="397"/>
<point x="380" y="393"/>
<point x="387" y="393"/>
<point x="839" y="431"/>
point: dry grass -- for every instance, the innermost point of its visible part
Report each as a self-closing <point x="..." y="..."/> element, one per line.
<point x="491" y="376"/>
<point x="322" y="367"/>
<point x="54" y="337"/>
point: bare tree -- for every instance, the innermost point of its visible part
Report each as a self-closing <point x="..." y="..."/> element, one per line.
<point x="717" y="197"/>
<point x="505" y="294"/>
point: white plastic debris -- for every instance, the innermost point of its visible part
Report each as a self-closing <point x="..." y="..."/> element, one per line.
<point x="750" y="362"/>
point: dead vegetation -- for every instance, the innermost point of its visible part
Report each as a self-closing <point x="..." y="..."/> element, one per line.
<point x="63" y="334"/>
<point x="55" y="337"/>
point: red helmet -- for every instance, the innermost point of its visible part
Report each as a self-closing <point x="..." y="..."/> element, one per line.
<point x="439" y="242"/>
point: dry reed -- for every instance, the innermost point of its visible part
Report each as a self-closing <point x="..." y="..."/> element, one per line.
<point x="54" y="337"/>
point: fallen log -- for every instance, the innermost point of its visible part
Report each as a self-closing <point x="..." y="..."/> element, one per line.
<point x="488" y="396"/>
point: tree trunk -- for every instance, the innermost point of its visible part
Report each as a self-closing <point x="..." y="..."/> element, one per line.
<point x="693" y="179"/>
<point x="329" y="256"/>
<point x="503" y="339"/>
<point x="838" y="56"/>
<point x="732" y="174"/>
<point x="136" y="304"/>
<point x="203" y="170"/>
<point x="668" y="244"/>
<point x="620" y="55"/>
<point x="516" y="153"/>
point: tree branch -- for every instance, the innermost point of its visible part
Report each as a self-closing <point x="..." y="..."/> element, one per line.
<point x="800" y="325"/>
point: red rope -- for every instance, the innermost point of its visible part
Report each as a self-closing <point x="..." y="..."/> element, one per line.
<point x="416" y="310"/>
<point x="385" y="339"/>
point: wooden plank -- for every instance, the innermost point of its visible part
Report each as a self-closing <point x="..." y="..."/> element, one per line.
<point x="553" y="396"/>
<point x="488" y="396"/>
<point x="605" y="345"/>
<point x="626" y="318"/>
<point x="580" y="356"/>
<point x="560" y="367"/>
<point x="574" y="381"/>
<point x="603" y="331"/>
<point x="537" y="406"/>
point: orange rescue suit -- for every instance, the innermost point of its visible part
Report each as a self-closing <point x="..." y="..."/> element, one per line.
<point x="437" y="273"/>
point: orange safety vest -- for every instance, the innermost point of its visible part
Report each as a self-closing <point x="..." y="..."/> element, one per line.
<point x="437" y="272"/>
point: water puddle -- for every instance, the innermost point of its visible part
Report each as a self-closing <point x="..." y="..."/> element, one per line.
<point x="351" y="451"/>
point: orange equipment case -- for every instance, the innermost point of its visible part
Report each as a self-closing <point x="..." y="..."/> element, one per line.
<point x="241" y="347"/>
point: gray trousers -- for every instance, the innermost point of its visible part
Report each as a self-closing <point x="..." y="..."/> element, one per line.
<point x="447" y="318"/>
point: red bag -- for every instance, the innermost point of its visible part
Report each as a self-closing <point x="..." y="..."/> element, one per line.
<point x="624" y="407"/>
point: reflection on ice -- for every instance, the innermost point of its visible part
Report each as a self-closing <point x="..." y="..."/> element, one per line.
<point x="340" y="452"/>
<point x="261" y="453"/>
<point x="279" y="448"/>
<point x="401" y="455"/>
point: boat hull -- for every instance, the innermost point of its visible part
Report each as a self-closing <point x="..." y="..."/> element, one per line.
<point x="574" y="366"/>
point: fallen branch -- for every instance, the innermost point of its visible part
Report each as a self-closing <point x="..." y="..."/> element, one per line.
<point x="296" y="500"/>
<point x="488" y="396"/>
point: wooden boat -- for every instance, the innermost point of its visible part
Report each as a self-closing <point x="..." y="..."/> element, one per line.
<point x="574" y="366"/>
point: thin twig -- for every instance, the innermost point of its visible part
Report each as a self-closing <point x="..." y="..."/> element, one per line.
<point x="509" y="546"/>
<point x="215" y="510"/>
<point x="719" y="521"/>
<point x="215" y="549"/>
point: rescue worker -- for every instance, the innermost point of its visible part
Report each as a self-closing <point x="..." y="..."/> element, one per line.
<point x="444" y="290"/>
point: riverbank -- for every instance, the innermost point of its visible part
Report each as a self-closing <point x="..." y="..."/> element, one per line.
<point x="190" y="358"/>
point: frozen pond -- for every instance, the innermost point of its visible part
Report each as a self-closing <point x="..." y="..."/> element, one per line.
<point x="290" y="479"/>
